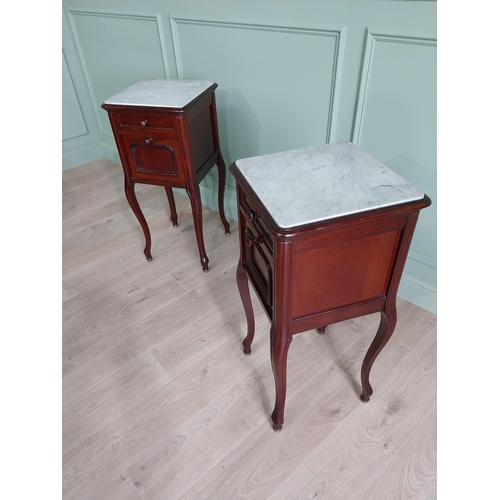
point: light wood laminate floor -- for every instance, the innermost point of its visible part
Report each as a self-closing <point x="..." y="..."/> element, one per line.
<point x="159" y="401"/>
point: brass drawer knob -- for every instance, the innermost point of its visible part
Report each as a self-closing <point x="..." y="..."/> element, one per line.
<point x="251" y="240"/>
<point x="249" y="213"/>
<point x="144" y="123"/>
<point x="148" y="141"/>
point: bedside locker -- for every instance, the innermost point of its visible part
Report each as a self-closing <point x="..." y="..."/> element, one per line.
<point x="166" y="133"/>
<point x="324" y="236"/>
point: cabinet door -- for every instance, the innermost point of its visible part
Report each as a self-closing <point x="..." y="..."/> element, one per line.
<point x="258" y="265"/>
<point x="154" y="157"/>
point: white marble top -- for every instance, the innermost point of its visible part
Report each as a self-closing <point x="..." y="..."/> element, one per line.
<point x="160" y="93"/>
<point x="318" y="183"/>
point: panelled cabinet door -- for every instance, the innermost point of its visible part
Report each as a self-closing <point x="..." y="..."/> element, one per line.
<point x="151" y="156"/>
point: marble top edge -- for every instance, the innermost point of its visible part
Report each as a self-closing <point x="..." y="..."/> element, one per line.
<point x="288" y="225"/>
<point x="308" y="185"/>
<point x="155" y="92"/>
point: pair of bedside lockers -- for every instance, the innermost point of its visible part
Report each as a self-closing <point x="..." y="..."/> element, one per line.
<point x="324" y="231"/>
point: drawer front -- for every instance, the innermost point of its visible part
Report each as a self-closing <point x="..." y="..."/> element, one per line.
<point x="145" y="121"/>
<point x="152" y="157"/>
<point x="255" y="221"/>
<point x="258" y="265"/>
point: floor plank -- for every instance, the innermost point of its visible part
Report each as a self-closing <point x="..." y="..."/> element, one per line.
<point x="121" y="488"/>
<point x="109" y="264"/>
<point x="88" y="172"/>
<point x="412" y="473"/>
<point x="138" y="430"/>
<point x="119" y="315"/>
<point x="108" y="355"/>
<point x="85" y="236"/>
<point x="111" y="397"/>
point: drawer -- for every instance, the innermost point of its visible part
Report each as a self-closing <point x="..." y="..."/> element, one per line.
<point x="145" y="121"/>
<point x="152" y="157"/>
<point x="255" y="221"/>
<point x="258" y="265"/>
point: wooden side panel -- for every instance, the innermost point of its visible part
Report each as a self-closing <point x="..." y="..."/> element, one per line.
<point x="202" y="137"/>
<point x="341" y="273"/>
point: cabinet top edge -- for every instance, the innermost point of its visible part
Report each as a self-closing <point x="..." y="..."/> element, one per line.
<point x="319" y="183"/>
<point x="162" y="93"/>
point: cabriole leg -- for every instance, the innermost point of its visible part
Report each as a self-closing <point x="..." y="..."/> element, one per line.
<point x="171" y="202"/>
<point x="280" y="342"/>
<point x="194" y="198"/>
<point x="132" y="201"/>
<point x="242" y="281"/>
<point x="385" y="330"/>
<point x="221" y="168"/>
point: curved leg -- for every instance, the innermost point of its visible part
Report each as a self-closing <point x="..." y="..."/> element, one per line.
<point x="280" y="342"/>
<point x="132" y="201"/>
<point x="385" y="330"/>
<point x="195" y="200"/>
<point x="242" y="281"/>
<point x="171" y="202"/>
<point x="221" y="167"/>
<point x="321" y="329"/>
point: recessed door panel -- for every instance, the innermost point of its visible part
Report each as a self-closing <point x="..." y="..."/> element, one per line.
<point x="257" y="264"/>
<point x="150" y="158"/>
<point x="343" y="273"/>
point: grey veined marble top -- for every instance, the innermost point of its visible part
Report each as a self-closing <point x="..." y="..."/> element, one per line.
<point x="160" y="93"/>
<point x="318" y="183"/>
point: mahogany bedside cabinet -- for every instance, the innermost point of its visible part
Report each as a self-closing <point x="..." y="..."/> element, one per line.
<point x="324" y="235"/>
<point x="166" y="133"/>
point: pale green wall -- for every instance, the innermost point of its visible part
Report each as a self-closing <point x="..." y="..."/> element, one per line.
<point x="291" y="74"/>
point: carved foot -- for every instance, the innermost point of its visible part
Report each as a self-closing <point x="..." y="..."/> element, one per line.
<point x="247" y="350"/>
<point x="204" y="262"/>
<point x="321" y="330"/>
